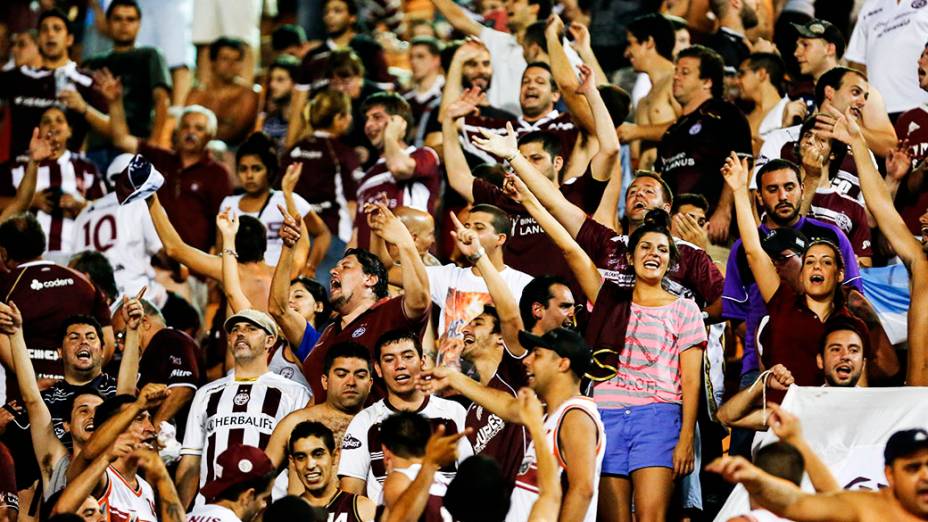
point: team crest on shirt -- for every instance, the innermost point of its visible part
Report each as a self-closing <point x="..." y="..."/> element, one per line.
<point x="694" y="130"/>
<point x="241" y="398"/>
<point x="286" y="372"/>
<point x="359" y="332"/>
<point x="350" y="442"/>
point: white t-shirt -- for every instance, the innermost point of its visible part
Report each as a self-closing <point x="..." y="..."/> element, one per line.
<point x="461" y="294"/>
<point x="508" y="65"/>
<point x="888" y="38"/>
<point x="773" y="120"/>
<point x="270" y="217"/>
<point x="123" y="503"/>
<point x="124" y="234"/>
<point x="212" y="513"/>
<point x="362" y="455"/>
<point x="228" y="411"/>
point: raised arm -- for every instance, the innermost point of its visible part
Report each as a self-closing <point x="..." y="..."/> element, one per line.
<point x="577" y="259"/>
<point x="459" y="174"/>
<point x="398" y="161"/>
<point x="736" y="172"/>
<point x="48" y="449"/>
<point x="605" y="163"/>
<point x="416" y="299"/>
<point x="506" y="146"/>
<point x="786" y="426"/>
<point x="157" y="475"/>
<point x="175" y="247"/>
<point x="582" y="44"/>
<point x="39" y="149"/>
<point x="290" y="321"/>
<point x="227" y="223"/>
<point x="105" y="436"/>
<point x="296" y="125"/>
<point x="98" y="121"/>
<point x="457" y="17"/>
<point x="565" y="76"/>
<point x="510" y="320"/>
<point x="305" y="253"/>
<point x="132" y="313"/>
<point x="496" y="401"/>
<point x="111" y="89"/>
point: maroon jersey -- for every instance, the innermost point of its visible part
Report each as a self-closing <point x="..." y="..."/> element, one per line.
<point x="845" y="213"/>
<point x="386" y="315"/>
<point x="692" y="151"/>
<point x="695" y="276"/>
<point x="528" y="248"/>
<point x="912" y="126"/>
<point x="69" y="174"/>
<point x="47" y="294"/>
<point x="343" y="507"/>
<point x="420" y="191"/>
<point x="505" y="442"/>
<point x="170" y="359"/>
<point x="30" y="91"/>
<point x="845" y="181"/>
<point x="422" y="106"/>
<point x="313" y="68"/>
<point x="331" y="172"/>
<point x="191" y="196"/>
<point x="556" y="123"/>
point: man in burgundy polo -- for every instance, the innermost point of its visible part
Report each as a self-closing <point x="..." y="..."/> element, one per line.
<point x="169" y="357"/>
<point x="912" y="129"/>
<point x="358" y="294"/>
<point x="194" y="184"/>
<point x="30" y="91"/>
<point x="403" y="176"/>
<point x="46" y="294"/>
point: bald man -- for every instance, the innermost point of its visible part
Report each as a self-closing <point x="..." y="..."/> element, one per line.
<point x="421" y="225"/>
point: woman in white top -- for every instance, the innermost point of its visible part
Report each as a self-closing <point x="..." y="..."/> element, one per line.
<point x="257" y="166"/>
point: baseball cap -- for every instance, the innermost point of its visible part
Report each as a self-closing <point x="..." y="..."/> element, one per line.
<point x="784" y="238"/>
<point x="904" y="443"/>
<point x="817" y="28"/>
<point x="255" y="317"/>
<point x="237" y="464"/>
<point x="566" y="343"/>
<point x="138" y="180"/>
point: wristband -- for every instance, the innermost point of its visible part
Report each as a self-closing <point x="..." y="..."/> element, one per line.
<point x="230" y="252"/>
<point x="477" y="255"/>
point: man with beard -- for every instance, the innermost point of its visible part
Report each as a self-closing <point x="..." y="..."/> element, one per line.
<point x="30" y="91"/>
<point x="358" y="295"/>
<point x="427" y="82"/>
<point x="842" y="360"/>
<point x="143" y="72"/>
<point x="194" y="184"/>
<point x="347" y="381"/>
<point x="313" y="455"/>
<point x="243" y="407"/>
<point x="398" y="362"/>
<point x="779" y="195"/>
<point x="730" y="41"/>
<point x="232" y="100"/>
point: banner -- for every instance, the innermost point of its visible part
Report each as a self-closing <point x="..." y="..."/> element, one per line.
<point x="848" y="429"/>
<point x="887" y="289"/>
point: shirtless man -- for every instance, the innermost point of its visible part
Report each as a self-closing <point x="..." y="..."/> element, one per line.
<point x="347" y="379"/>
<point x="651" y="41"/>
<point x="905" y="499"/>
<point x="234" y="101"/>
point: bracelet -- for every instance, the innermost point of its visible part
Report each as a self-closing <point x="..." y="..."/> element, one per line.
<point x="511" y="157"/>
<point x="229" y="251"/>
<point x="477" y="255"/>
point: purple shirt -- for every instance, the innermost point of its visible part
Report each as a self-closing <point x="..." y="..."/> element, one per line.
<point x="741" y="299"/>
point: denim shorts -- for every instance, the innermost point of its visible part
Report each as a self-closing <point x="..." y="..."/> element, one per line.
<point x="640" y="437"/>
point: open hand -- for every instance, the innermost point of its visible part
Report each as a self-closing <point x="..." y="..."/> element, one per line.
<point x="466" y="104"/>
<point x="835" y="125"/>
<point x="735" y="171"/>
<point x="504" y="145"/>
<point x="40" y="147"/>
<point x="291" y="177"/>
<point x="107" y="85"/>
<point x="734" y="469"/>
<point x="899" y="161"/>
<point x="227" y="222"/>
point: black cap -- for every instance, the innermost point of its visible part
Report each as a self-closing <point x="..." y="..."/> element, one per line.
<point x="904" y="443"/>
<point x="784" y="238"/>
<point x="564" y="342"/>
<point x="825" y="30"/>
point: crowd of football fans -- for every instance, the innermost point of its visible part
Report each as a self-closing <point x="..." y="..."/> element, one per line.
<point x="454" y="260"/>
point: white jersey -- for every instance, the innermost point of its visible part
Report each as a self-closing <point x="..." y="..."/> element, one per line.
<point x="126" y="235"/>
<point x="290" y="370"/>
<point x="212" y="513"/>
<point x="270" y="217"/>
<point x="229" y="411"/>
<point x="525" y="492"/>
<point x="434" y="507"/>
<point x="123" y="503"/>
<point x="362" y="455"/>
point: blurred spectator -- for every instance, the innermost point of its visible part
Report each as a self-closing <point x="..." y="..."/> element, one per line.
<point x="168" y="27"/>
<point x="239" y="20"/>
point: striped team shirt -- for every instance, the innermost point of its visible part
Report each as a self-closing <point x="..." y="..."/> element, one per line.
<point x="229" y="411"/>
<point x="649" y="365"/>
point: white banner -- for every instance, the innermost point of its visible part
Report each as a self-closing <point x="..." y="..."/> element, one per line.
<point x="848" y="429"/>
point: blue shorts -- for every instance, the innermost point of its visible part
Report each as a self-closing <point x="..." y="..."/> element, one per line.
<point x="640" y="437"/>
